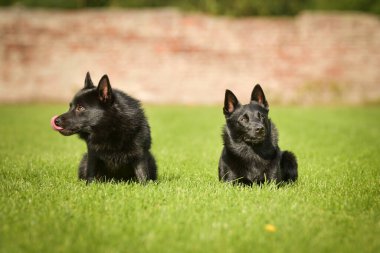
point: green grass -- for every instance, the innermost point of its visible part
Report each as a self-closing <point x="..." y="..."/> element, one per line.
<point x="334" y="207"/>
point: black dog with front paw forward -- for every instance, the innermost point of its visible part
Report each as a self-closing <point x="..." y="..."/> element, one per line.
<point x="251" y="153"/>
<point x="116" y="132"/>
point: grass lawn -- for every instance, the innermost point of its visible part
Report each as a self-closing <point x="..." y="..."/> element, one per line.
<point x="334" y="206"/>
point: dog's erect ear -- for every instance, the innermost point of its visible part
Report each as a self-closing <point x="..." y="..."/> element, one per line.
<point x="258" y="96"/>
<point x="105" y="90"/>
<point x="230" y="103"/>
<point x="88" y="82"/>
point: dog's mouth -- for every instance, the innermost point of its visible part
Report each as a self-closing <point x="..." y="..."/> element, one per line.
<point x="60" y="129"/>
<point x="254" y="140"/>
<point x="67" y="132"/>
<point x="54" y="125"/>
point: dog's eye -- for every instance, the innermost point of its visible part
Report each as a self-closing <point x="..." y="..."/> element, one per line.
<point x="259" y="116"/>
<point x="244" y="119"/>
<point x="79" y="108"/>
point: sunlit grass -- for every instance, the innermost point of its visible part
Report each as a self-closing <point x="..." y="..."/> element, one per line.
<point x="334" y="207"/>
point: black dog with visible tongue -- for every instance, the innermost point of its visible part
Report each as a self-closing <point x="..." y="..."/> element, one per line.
<point x="116" y="132"/>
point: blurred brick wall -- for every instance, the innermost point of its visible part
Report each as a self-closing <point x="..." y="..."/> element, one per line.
<point x="165" y="56"/>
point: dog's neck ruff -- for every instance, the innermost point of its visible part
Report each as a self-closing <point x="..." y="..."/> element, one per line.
<point x="266" y="150"/>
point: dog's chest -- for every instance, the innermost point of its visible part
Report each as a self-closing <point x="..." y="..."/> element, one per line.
<point x="259" y="170"/>
<point x="116" y="161"/>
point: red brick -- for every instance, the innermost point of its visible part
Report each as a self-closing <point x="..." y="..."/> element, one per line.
<point x="165" y="56"/>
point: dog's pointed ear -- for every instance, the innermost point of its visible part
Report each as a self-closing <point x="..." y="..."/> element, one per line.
<point x="88" y="82"/>
<point x="259" y="97"/>
<point x="105" y="90"/>
<point x="230" y="103"/>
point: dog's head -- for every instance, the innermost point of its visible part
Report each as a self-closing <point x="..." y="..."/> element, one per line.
<point x="86" y="109"/>
<point x="250" y="122"/>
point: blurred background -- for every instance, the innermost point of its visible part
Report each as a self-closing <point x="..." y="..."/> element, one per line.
<point x="188" y="52"/>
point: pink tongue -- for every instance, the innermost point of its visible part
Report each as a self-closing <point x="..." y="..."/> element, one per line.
<point x="53" y="125"/>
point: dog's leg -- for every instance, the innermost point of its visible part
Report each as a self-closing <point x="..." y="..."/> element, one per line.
<point x="289" y="167"/>
<point x="224" y="171"/>
<point x="145" y="169"/>
<point x="152" y="167"/>
<point x="91" y="167"/>
<point x="82" y="171"/>
<point x="226" y="174"/>
<point x="141" y="171"/>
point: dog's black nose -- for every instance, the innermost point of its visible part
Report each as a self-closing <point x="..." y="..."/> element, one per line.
<point x="259" y="130"/>
<point x="58" y="122"/>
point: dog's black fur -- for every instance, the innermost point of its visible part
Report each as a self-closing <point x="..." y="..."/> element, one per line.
<point x="116" y="132"/>
<point x="251" y="153"/>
